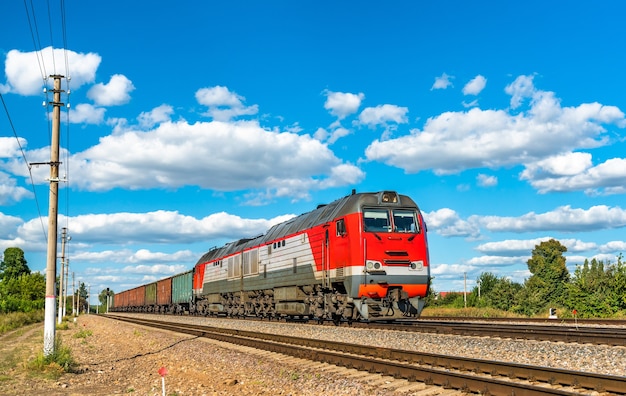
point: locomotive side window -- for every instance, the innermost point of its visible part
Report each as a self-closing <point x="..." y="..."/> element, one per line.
<point x="404" y="221"/>
<point x="340" y="225"/>
<point x="376" y="220"/>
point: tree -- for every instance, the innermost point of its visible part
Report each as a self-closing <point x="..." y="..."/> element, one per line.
<point x="102" y="297"/>
<point x="13" y="264"/>
<point x="547" y="284"/>
<point x="598" y="289"/>
<point x="502" y="294"/>
<point x="22" y="294"/>
<point x="83" y="297"/>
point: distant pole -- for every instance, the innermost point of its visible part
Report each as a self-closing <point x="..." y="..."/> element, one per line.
<point x="67" y="277"/>
<point x="88" y="299"/>
<point x="61" y="281"/>
<point x="51" y="262"/>
<point x="73" y="295"/>
<point x="465" y="289"/>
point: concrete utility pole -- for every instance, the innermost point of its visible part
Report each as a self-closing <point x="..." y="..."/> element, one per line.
<point x="61" y="281"/>
<point x="51" y="263"/>
<point x="74" y="296"/>
<point x="67" y="277"/>
<point x="465" y="289"/>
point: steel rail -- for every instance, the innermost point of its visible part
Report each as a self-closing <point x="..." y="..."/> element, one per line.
<point x="614" y="336"/>
<point x="469" y="375"/>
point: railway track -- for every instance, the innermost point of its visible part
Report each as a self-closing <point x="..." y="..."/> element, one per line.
<point x="614" y="336"/>
<point x="464" y="374"/>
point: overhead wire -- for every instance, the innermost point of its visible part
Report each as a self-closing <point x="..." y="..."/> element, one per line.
<point x="54" y="66"/>
<point x="68" y="79"/>
<point x="35" y="36"/>
<point x="32" y="182"/>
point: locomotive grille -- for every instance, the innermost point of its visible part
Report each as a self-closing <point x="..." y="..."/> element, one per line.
<point x="396" y="253"/>
<point x="398" y="262"/>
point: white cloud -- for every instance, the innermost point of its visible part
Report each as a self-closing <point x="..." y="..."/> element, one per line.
<point x="223" y="104"/>
<point x="342" y="104"/>
<point x="387" y="116"/>
<point x="574" y="172"/>
<point x="237" y="156"/>
<point x="486" y="180"/>
<point x="115" y="93"/>
<point x="25" y="77"/>
<point x="10" y="192"/>
<point x="454" y="141"/>
<point x="563" y="219"/>
<point x="613" y="247"/>
<point x="85" y="113"/>
<point x="489" y="261"/>
<point x="442" y="82"/>
<point x="518" y="247"/>
<point x="520" y="89"/>
<point x="10" y="146"/>
<point x="156" y="116"/>
<point x="158" y="227"/>
<point x="475" y="86"/>
<point x="446" y="222"/>
<point x="8" y="226"/>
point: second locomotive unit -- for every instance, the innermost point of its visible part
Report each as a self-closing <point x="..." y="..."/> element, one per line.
<point x="362" y="257"/>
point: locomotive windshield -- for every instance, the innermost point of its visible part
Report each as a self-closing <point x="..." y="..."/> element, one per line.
<point x="390" y="220"/>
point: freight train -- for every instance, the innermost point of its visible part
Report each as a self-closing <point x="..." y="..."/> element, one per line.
<point x="362" y="257"/>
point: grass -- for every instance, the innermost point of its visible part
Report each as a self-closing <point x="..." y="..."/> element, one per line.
<point x="19" y="359"/>
<point x="15" y="320"/>
<point x="54" y="365"/>
<point x="469" y="312"/>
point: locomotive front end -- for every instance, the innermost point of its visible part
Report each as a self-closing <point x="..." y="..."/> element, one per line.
<point x="396" y="270"/>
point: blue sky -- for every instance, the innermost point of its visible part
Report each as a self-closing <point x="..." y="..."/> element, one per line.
<point x="194" y="124"/>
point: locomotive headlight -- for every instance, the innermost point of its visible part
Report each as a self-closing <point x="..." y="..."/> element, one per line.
<point x="372" y="265"/>
<point x="417" y="265"/>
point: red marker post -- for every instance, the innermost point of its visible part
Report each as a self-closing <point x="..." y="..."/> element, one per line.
<point x="574" y="312"/>
<point x="163" y="373"/>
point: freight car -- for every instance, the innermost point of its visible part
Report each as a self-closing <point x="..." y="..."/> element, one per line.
<point x="364" y="256"/>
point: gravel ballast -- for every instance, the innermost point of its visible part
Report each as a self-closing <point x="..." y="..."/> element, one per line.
<point x="120" y="358"/>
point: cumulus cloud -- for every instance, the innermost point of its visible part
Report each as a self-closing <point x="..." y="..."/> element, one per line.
<point x="475" y="86"/>
<point x="518" y="247"/>
<point x="237" y="156"/>
<point x="486" y="180"/>
<point x="442" y="82"/>
<point x="223" y="104"/>
<point x="156" y="116"/>
<point x="575" y="172"/>
<point x="26" y="71"/>
<point x="454" y="141"/>
<point x="158" y="227"/>
<point x="10" y="146"/>
<point x="564" y="218"/>
<point x="115" y="93"/>
<point x="342" y="104"/>
<point x="85" y="113"/>
<point x="446" y="222"/>
<point x="10" y="192"/>
<point x="523" y="87"/>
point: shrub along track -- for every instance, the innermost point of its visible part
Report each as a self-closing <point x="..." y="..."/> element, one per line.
<point x="465" y="374"/>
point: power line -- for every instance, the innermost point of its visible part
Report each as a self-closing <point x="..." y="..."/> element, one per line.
<point x="32" y="183"/>
<point x="35" y="36"/>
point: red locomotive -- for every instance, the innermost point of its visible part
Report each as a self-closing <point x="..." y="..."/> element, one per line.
<point x="361" y="257"/>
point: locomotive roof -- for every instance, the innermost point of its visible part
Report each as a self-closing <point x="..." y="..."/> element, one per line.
<point x="324" y="213"/>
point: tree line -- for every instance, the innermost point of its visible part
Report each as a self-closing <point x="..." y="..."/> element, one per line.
<point x="596" y="289"/>
<point x="24" y="291"/>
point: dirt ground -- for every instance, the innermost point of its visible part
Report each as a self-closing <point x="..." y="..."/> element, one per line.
<point x="118" y="358"/>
